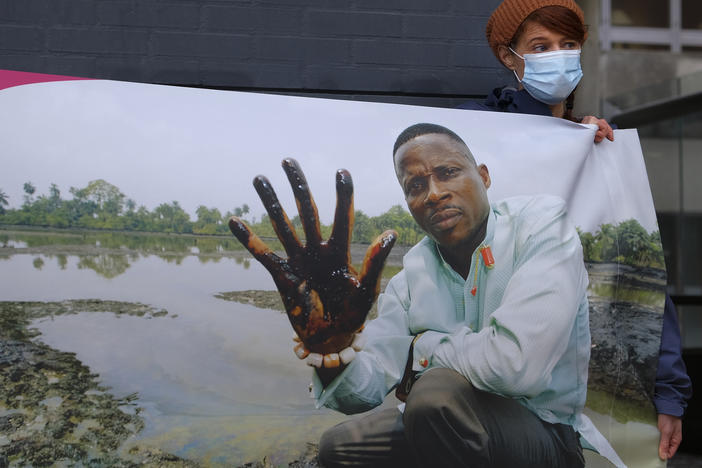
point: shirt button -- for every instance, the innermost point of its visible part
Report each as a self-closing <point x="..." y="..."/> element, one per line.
<point x="423" y="362"/>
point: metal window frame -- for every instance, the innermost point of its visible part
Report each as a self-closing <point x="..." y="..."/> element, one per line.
<point x="673" y="36"/>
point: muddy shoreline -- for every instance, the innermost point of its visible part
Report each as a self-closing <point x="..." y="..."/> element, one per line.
<point x="53" y="409"/>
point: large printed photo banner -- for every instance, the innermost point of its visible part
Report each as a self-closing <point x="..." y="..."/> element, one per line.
<point x="192" y="354"/>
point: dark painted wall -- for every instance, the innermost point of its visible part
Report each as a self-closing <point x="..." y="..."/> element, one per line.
<point x="416" y="51"/>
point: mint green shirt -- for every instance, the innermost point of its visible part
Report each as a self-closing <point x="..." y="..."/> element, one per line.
<point x="524" y="334"/>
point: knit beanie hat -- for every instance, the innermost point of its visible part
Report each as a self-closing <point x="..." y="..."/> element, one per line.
<point x="507" y="17"/>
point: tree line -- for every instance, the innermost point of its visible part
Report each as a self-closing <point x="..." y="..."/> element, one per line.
<point x="101" y="205"/>
<point x="627" y="243"/>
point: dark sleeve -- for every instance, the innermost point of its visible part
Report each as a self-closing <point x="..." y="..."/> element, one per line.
<point x="475" y="105"/>
<point x="673" y="386"/>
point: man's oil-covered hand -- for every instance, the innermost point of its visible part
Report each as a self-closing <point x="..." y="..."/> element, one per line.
<point x="326" y="300"/>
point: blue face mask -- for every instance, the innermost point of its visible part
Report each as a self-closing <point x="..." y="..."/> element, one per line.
<point x="551" y="76"/>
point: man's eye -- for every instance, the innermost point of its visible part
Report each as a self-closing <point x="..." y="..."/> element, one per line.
<point x="415" y="186"/>
<point x="450" y="171"/>
<point x="539" y="48"/>
<point x="570" y="45"/>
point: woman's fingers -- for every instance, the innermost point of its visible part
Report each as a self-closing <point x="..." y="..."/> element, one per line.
<point x="608" y="130"/>
<point x="604" y="129"/>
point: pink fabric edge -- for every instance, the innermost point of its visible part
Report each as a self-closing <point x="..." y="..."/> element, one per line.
<point x="10" y="78"/>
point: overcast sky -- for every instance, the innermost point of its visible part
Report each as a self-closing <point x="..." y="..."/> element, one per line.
<point x="160" y="143"/>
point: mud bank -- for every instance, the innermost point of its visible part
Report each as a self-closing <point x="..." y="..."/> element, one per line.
<point x="55" y="412"/>
<point x="626" y="307"/>
<point x="53" y="409"/>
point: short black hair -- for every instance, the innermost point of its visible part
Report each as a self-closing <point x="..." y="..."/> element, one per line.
<point x="413" y="131"/>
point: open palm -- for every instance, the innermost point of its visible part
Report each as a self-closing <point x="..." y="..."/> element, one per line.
<point x="326" y="300"/>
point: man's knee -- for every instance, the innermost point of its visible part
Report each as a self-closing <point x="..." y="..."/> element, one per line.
<point x="436" y="393"/>
<point x="439" y="412"/>
<point x="374" y="440"/>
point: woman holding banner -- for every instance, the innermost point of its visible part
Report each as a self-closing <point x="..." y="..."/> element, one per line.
<point x="541" y="41"/>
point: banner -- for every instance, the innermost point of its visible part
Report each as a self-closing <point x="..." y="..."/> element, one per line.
<point x="184" y="331"/>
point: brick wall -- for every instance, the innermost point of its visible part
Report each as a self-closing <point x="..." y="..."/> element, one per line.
<point x="420" y="51"/>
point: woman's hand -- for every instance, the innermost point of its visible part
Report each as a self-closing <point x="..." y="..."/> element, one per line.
<point x="670" y="428"/>
<point x="604" y="130"/>
<point x="326" y="300"/>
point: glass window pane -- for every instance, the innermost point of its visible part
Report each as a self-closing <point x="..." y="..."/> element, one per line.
<point x="641" y="13"/>
<point x="627" y="45"/>
<point x="691" y="14"/>
<point x="691" y="251"/>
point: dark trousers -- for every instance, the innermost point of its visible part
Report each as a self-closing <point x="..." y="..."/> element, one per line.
<point x="446" y="423"/>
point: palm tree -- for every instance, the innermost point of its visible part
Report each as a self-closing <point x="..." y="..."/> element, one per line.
<point x="3" y="201"/>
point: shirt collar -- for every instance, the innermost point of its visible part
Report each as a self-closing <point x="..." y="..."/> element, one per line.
<point x="489" y="235"/>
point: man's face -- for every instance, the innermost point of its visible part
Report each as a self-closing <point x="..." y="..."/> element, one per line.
<point x="444" y="189"/>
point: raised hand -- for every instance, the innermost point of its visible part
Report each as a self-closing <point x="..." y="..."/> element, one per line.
<point x="326" y="300"/>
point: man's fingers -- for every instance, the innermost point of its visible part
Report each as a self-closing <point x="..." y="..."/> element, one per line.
<point x="305" y="203"/>
<point x="281" y="224"/>
<point x="343" y="217"/>
<point x="374" y="261"/>
<point x="256" y="246"/>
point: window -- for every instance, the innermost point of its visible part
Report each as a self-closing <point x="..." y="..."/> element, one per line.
<point x="674" y="25"/>
<point x="692" y="14"/>
<point x="656" y="14"/>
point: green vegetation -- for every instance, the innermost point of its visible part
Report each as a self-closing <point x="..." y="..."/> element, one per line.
<point x="3" y="202"/>
<point x="627" y="243"/>
<point x="101" y="205"/>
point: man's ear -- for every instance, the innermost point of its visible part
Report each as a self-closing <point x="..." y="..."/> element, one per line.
<point x="506" y="57"/>
<point x="485" y="175"/>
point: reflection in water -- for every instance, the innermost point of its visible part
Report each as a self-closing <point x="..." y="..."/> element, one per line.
<point x="245" y="262"/>
<point x="143" y="242"/>
<point x="38" y="263"/>
<point x="107" y="266"/>
<point x="175" y="259"/>
<point x="130" y="248"/>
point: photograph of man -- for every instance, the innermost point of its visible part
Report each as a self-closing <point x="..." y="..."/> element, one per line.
<point x="493" y="310"/>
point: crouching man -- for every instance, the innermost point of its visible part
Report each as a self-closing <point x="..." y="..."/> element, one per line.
<point x="485" y="330"/>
